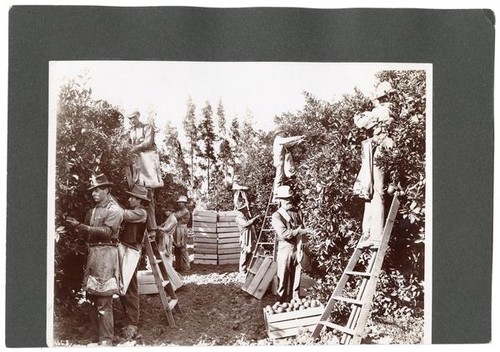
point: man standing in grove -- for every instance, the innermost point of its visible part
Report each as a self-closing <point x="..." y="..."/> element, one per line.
<point x="181" y="253"/>
<point x="132" y="235"/>
<point x="287" y="222"/>
<point x="167" y="230"/>
<point x="247" y="234"/>
<point x="102" y="272"/>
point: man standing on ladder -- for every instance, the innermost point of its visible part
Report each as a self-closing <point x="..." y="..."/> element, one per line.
<point x="247" y="234"/>
<point x="369" y="184"/>
<point x="132" y="235"/>
<point x="282" y="158"/>
<point x="144" y="168"/>
<point x="287" y="222"/>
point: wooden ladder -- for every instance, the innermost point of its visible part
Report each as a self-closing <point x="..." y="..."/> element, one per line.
<point x="165" y="289"/>
<point x="365" y="284"/>
<point x="266" y="234"/>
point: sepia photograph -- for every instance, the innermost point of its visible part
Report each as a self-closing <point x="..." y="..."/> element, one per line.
<point x="239" y="203"/>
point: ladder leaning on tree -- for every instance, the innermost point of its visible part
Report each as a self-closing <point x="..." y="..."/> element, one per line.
<point x="365" y="282"/>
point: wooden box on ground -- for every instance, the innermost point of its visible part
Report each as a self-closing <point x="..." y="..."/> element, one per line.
<point x="228" y="234"/>
<point x="146" y="282"/>
<point x="259" y="276"/>
<point x="205" y="236"/>
<point x="289" y="323"/>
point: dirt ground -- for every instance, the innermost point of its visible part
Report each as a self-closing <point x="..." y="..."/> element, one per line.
<point x="215" y="312"/>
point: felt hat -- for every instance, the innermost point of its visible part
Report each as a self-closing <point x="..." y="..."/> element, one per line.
<point x="182" y="199"/>
<point x="134" y="114"/>
<point x="283" y="192"/>
<point x="140" y="192"/>
<point x="99" y="181"/>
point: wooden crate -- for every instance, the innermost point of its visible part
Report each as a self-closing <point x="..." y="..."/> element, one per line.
<point x="146" y="282"/>
<point x="259" y="277"/>
<point x="280" y="325"/>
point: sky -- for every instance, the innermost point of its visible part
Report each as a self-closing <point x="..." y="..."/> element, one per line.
<point x="264" y="89"/>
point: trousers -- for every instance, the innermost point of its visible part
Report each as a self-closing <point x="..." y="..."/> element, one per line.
<point x="130" y="300"/>
<point x="101" y="317"/>
<point x="373" y="217"/>
<point x="289" y="271"/>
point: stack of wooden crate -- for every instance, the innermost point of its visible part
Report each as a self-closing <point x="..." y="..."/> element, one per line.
<point x="228" y="251"/>
<point x="205" y="236"/>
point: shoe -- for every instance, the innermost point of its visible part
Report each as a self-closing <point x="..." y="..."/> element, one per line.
<point x="369" y="243"/>
<point x="129" y="331"/>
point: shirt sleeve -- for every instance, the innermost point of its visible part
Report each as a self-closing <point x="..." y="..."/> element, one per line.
<point x="282" y="232"/>
<point x="183" y="216"/>
<point x="169" y="224"/>
<point x="149" y="139"/>
<point x="110" y="226"/>
<point x="135" y="215"/>
<point x="289" y="141"/>
<point x="242" y="222"/>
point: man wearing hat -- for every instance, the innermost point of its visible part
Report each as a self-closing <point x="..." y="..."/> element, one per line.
<point x="102" y="273"/>
<point x="181" y="254"/>
<point x="280" y="145"/>
<point x="132" y="235"/>
<point x="247" y="234"/>
<point x="287" y="223"/>
<point x="167" y="230"/>
<point x="369" y="184"/>
<point x="144" y="168"/>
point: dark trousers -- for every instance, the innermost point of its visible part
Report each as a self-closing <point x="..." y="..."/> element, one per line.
<point x="101" y="317"/>
<point x="130" y="301"/>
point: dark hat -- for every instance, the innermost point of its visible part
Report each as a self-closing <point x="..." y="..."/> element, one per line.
<point x="99" y="181"/>
<point x="140" y="192"/>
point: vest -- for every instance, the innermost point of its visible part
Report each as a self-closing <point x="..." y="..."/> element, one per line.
<point x="133" y="233"/>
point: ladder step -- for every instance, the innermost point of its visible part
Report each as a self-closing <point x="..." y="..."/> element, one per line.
<point x="337" y="327"/>
<point x="172" y="303"/>
<point x="358" y="273"/>
<point x="348" y="300"/>
<point x="164" y="283"/>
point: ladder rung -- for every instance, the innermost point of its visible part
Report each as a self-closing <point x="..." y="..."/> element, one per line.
<point x="264" y="243"/>
<point x="358" y="273"/>
<point x="172" y="303"/>
<point x="337" y="327"/>
<point x="348" y="300"/>
<point x="266" y="230"/>
<point x="165" y="283"/>
<point x="157" y="261"/>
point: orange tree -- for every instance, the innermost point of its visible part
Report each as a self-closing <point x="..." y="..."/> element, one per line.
<point x="89" y="140"/>
<point x="328" y="163"/>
